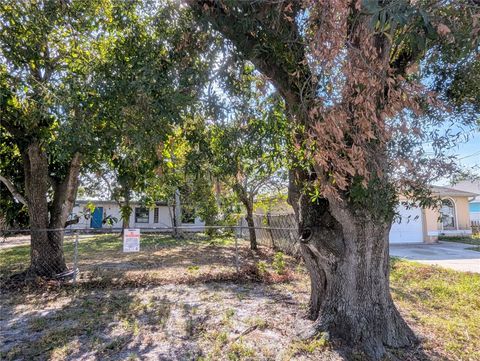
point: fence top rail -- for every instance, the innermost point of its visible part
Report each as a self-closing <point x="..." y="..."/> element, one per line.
<point x="286" y="214"/>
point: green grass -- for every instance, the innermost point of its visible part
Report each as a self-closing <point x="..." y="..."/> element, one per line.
<point x="443" y="302"/>
<point x="473" y="240"/>
<point x="98" y="247"/>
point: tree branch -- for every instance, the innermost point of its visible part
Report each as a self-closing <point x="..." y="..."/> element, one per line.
<point x="16" y="194"/>
<point x="65" y="192"/>
<point x="256" y="38"/>
<point x="110" y="189"/>
<point x="72" y="221"/>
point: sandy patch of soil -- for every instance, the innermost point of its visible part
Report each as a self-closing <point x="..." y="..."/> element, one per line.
<point x="213" y="321"/>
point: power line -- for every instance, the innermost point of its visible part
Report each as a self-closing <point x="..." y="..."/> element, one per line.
<point x="471" y="155"/>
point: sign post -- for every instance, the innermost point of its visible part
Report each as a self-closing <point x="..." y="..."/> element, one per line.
<point x="131" y="240"/>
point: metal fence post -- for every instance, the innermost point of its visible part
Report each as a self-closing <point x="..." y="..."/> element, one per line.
<point x="75" y="258"/>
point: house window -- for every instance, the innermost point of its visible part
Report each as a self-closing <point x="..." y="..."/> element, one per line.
<point x="141" y="215"/>
<point x="188" y="214"/>
<point x="155" y="215"/>
<point x="447" y="213"/>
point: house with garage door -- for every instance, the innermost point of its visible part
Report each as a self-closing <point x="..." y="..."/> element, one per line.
<point x="416" y="224"/>
<point x="106" y="215"/>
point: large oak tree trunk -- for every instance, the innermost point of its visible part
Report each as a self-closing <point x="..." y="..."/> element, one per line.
<point x="47" y="221"/>
<point x="46" y="252"/>
<point x="346" y="254"/>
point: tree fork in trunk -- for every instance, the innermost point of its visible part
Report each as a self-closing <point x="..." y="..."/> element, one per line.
<point x="46" y="251"/>
<point x="247" y="201"/>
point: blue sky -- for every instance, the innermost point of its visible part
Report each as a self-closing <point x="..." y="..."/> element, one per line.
<point x="470" y="151"/>
<point x="468" y="154"/>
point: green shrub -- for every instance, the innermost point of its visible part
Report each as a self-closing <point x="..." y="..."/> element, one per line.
<point x="279" y="263"/>
<point x="262" y="267"/>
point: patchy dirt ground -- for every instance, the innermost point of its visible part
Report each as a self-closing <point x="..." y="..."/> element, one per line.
<point x="172" y="322"/>
<point x="184" y="300"/>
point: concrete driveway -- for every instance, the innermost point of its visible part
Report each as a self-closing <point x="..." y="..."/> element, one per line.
<point x="446" y="254"/>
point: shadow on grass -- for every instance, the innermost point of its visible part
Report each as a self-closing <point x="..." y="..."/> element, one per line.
<point x="115" y="324"/>
<point x="73" y="329"/>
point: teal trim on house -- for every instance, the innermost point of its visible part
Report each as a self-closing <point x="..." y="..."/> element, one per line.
<point x="474" y="207"/>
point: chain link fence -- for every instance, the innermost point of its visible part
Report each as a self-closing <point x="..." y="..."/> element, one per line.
<point x="277" y="231"/>
<point x="48" y="253"/>
<point x="181" y="253"/>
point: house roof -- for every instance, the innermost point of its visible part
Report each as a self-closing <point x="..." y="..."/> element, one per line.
<point x="445" y="191"/>
<point x="469" y="185"/>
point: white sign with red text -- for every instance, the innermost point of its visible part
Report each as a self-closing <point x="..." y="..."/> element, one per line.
<point x="131" y="240"/>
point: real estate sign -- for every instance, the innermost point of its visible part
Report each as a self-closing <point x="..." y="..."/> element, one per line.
<point x="131" y="240"/>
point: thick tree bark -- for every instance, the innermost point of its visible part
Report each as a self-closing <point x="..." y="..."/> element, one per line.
<point x="317" y="276"/>
<point x="47" y="232"/>
<point x="346" y="254"/>
<point x="46" y="252"/>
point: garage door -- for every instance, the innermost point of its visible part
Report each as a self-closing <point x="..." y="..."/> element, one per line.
<point x="408" y="227"/>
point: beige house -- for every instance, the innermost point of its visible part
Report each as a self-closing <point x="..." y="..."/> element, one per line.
<point x="453" y="219"/>
<point x="427" y="224"/>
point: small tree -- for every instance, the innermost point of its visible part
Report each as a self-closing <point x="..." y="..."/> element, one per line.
<point x="184" y="177"/>
<point x="80" y="82"/>
<point x="249" y="149"/>
<point x="47" y="109"/>
<point x="153" y="75"/>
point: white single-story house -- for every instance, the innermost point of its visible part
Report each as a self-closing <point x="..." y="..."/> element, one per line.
<point x="106" y="215"/>
<point x="474" y="204"/>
